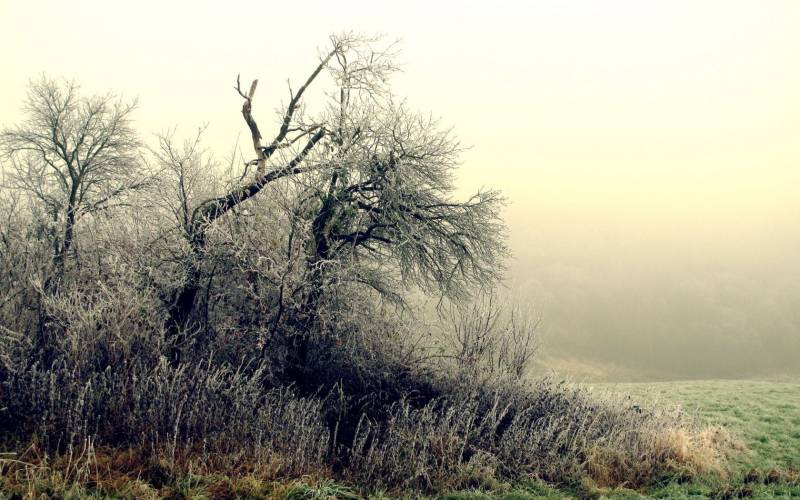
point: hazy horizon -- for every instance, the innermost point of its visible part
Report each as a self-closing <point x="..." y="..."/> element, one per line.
<point x="649" y="151"/>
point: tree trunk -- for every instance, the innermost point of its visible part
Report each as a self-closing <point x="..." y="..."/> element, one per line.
<point x="181" y="307"/>
<point x="299" y="343"/>
<point x="60" y="256"/>
<point x="46" y="322"/>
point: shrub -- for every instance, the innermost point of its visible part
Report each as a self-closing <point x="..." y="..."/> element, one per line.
<point x="544" y="429"/>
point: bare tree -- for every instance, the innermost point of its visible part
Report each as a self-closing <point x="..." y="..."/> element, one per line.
<point x="379" y="208"/>
<point x="386" y="203"/>
<point x="383" y="214"/>
<point x="369" y="202"/>
<point x="74" y="154"/>
<point x="289" y="153"/>
<point x="186" y="174"/>
<point x="489" y="337"/>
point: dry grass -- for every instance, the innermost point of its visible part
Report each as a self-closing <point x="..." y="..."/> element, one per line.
<point x="765" y="415"/>
<point x="476" y="439"/>
<point x="139" y="473"/>
<point x="676" y="453"/>
<point x="547" y="430"/>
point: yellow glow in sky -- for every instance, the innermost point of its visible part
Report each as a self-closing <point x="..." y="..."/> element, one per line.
<point x="663" y="133"/>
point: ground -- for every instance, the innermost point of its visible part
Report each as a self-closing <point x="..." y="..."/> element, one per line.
<point x="764" y="415"/>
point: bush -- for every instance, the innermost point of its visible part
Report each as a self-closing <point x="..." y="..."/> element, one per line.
<point x="544" y="429"/>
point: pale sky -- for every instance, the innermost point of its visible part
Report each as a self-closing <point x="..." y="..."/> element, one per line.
<point x="650" y="150"/>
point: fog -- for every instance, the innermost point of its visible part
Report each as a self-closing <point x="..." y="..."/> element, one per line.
<point x="650" y="152"/>
<point x="717" y="299"/>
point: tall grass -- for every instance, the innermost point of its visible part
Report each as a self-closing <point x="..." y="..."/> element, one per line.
<point x="362" y="413"/>
<point x="545" y="429"/>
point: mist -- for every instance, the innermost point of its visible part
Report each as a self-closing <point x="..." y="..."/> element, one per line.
<point x="648" y="152"/>
<point x="626" y="300"/>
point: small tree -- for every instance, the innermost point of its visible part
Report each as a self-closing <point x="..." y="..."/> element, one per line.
<point x="488" y="337"/>
<point x="381" y="206"/>
<point x="74" y="155"/>
<point x="384" y="204"/>
<point x="291" y="152"/>
<point x="377" y="203"/>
